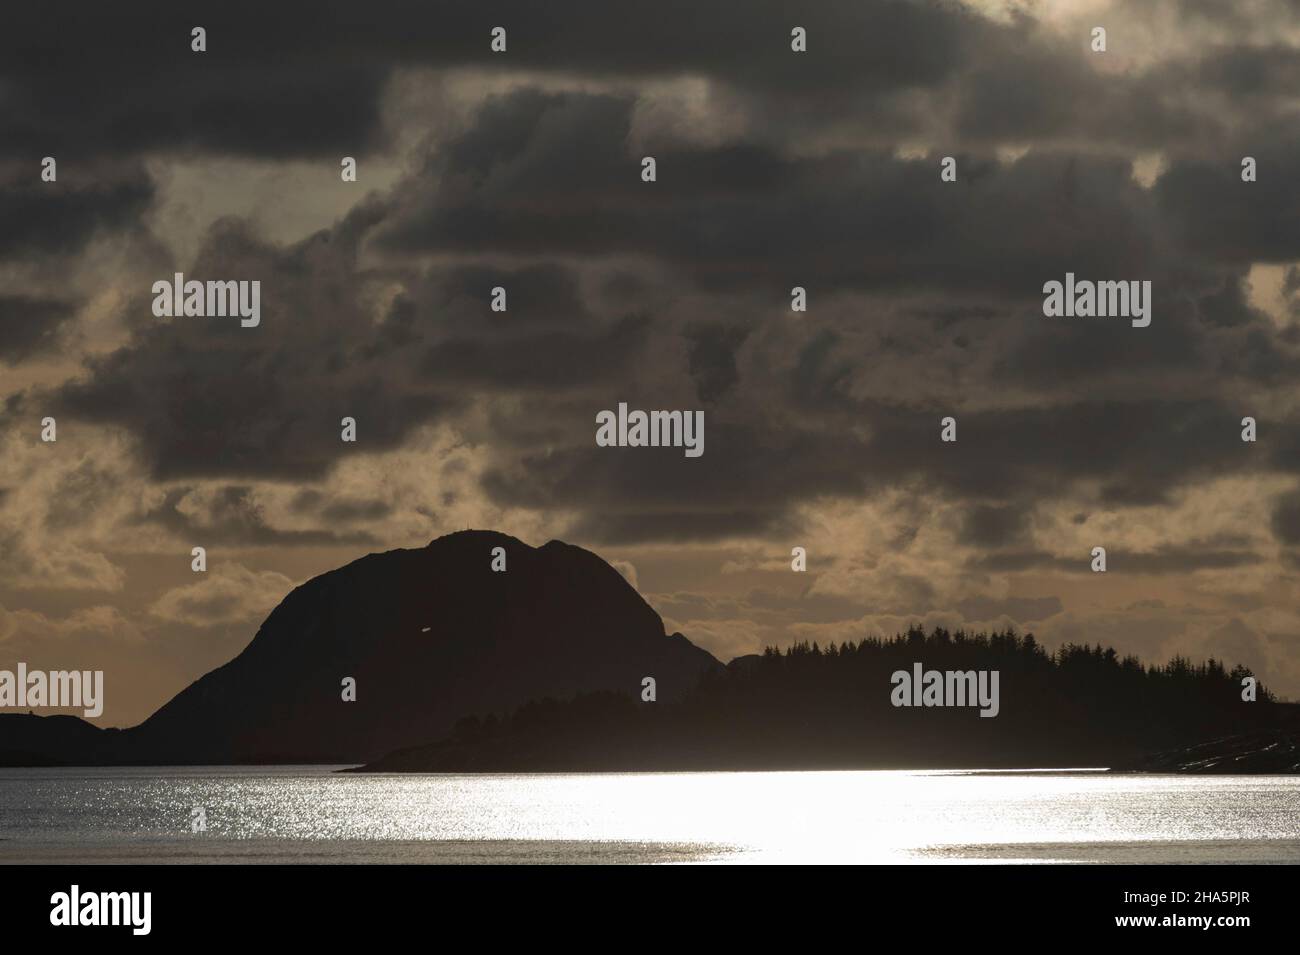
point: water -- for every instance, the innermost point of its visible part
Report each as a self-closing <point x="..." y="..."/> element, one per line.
<point x="310" y="814"/>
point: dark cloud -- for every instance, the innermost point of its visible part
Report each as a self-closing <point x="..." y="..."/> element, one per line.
<point x="745" y="216"/>
<point x="1133" y="454"/>
<point x="29" y="326"/>
<point x="339" y="510"/>
<point x="1286" y="518"/>
<point x="277" y="83"/>
<point x="737" y="221"/>
<point x="713" y="358"/>
<point x="60" y="217"/>
<point x="1218" y="216"/>
<point x="993" y="526"/>
<point x="205" y="396"/>
<point x="93" y="83"/>
<point x="745" y="481"/>
<point x="1182" y="559"/>
<point x="1242" y="72"/>
<point x="546" y="360"/>
<point x="1137" y="452"/>
<point x="538" y="296"/>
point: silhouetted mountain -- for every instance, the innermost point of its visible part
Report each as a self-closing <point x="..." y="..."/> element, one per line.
<point x="30" y="740"/>
<point x="809" y="708"/>
<point x="429" y="635"/>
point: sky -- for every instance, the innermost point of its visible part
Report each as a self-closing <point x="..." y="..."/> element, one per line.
<point x="774" y="169"/>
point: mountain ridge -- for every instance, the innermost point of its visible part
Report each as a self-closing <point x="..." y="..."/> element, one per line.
<point x="428" y="634"/>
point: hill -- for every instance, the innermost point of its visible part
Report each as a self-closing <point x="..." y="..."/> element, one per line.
<point x="428" y="635"/>
<point x="839" y="708"/>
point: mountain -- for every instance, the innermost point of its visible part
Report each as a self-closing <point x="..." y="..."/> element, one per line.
<point x="30" y="740"/>
<point x="429" y="636"/>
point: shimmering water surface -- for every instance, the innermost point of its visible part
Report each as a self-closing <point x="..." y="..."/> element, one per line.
<point x="311" y="814"/>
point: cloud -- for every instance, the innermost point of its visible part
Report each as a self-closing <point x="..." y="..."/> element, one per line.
<point x="1286" y="518"/>
<point x="266" y="400"/>
<point x="228" y="593"/>
<point x="232" y="514"/>
<point x="986" y="526"/>
<point x="30" y="326"/>
<point x="776" y="169"/>
<point x="61" y="217"/>
<point x="100" y="623"/>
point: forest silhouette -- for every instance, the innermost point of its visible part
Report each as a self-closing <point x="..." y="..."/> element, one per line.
<point x="809" y="706"/>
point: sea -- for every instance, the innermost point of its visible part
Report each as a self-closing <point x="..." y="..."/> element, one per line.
<point x="314" y="814"/>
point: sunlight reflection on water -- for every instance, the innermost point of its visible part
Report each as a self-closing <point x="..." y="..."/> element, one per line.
<point x="311" y="814"/>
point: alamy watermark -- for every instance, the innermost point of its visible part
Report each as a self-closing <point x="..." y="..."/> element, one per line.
<point x="75" y="907"/>
<point x="36" y="689"/>
<point x="651" y="429"/>
<point x="1086" y="299"/>
<point x="924" y="687"/>
<point x="209" y="299"/>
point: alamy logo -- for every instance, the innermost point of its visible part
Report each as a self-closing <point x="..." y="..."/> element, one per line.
<point x="1086" y="299"/>
<point x="56" y="688"/>
<point x="213" y="299"/>
<point x="103" y="908"/>
<point x="654" y="429"/>
<point x="924" y="687"/>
